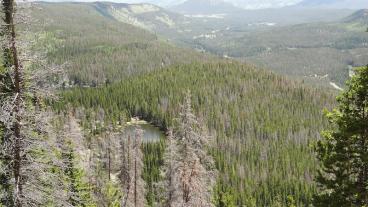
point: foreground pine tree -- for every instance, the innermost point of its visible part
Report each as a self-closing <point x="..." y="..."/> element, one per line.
<point x="189" y="170"/>
<point x="343" y="178"/>
<point x="27" y="154"/>
<point x="133" y="185"/>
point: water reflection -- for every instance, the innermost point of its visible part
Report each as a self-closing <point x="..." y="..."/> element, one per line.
<point x="150" y="134"/>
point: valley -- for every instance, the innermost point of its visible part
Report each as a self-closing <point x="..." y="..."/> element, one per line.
<point x="270" y="38"/>
<point x="200" y="103"/>
<point x="253" y="148"/>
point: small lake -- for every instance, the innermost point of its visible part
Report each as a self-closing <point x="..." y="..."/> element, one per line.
<point x="150" y="134"/>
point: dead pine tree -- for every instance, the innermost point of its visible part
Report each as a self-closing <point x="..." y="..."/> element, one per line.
<point x="139" y="190"/>
<point x="167" y="186"/>
<point x="191" y="173"/>
<point x="25" y="145"/>
<point x="15" y="107"/>
<point x="131" y="171"/>
<point x="125" y="166"/>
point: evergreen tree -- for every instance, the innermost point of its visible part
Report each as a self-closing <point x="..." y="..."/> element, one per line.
<point x="170" y="164"/>
<point x="190" y="171"/>
<point x="70" y="138"/>
<point x="133" y="185"/>
<point x="343" y="178"/>
<point x="26" y="150"/>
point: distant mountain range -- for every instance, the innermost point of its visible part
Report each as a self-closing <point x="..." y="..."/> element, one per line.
<point x="334" y="4"/>
<point x="230" y="6"/>
<point x="205" y="7"/>
<point x="212" y="6"/>
<point x="360" y="16"/>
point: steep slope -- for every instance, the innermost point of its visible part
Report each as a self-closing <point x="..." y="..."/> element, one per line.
<point x="100" y="49"/>
<point x="146" y="16"/>
<point x="261" y="36"/>
<point x="359" y="17"/>
<point x="263" y="124"/>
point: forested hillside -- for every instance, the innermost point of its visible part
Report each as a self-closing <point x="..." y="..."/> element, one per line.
<point x="80" y="86"/>
<point x="99" y="49"/>
<point x="321" y="52"/>
<point x="263" y="124"/>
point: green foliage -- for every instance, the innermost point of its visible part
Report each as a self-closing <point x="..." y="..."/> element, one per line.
<point x="153" y="160"/>
<point x="263" y="124"/>
<point x="76" y="34"/>
<point x="223" y="196"/>
<point x="80" y="191"/>
<point x="112" y="194"/>
<point x="343" y="178"/>
<point x="291" y="201"/>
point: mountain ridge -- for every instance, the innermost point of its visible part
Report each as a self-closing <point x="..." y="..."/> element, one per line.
<point x="205" y="7"/>
<point x="334" y="4"/>
<point x="360" y="16"/>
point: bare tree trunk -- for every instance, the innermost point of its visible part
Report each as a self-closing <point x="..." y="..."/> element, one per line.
<point x="25" y="127"/>
<point x="9" y="11"/>
<point x="135" y="181"/>
<point x="126" y="177"/>
<point x="131" y="174"/>
<point x="109" y="155"/>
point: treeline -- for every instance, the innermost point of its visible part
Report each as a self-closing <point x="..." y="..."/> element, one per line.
<point x="263" y="124"/>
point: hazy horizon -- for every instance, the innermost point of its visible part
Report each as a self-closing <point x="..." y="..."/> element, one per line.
<point x="250" y="4"/>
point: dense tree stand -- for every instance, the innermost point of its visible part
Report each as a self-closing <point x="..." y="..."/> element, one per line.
<point x="343" y="178"/>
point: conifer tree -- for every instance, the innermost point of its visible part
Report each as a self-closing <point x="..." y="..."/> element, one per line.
<point x="71" y="142"/>
<point x="170" y="163"/>
<point x="124" y="174"/>
<point x="343" y="177"/>
<point x="25" y="145"/>
<point x="191" y="174"/>
<point x="139" y="191"/>
<point x="131" y="171"/>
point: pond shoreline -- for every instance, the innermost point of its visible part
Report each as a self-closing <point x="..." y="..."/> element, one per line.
<point x="138" y="120"/>
<point x="151" y="132"/>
